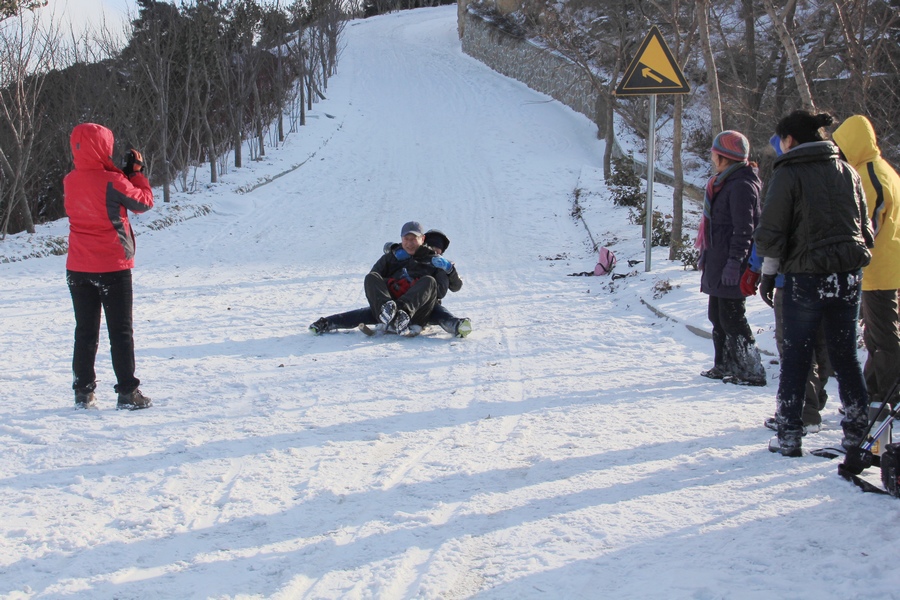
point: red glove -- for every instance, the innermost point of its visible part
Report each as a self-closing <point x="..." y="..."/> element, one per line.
<point x="749" y="282"/>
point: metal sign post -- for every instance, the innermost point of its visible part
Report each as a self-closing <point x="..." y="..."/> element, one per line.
<point x="652" y="71"/>
<point x="648" y="205"/>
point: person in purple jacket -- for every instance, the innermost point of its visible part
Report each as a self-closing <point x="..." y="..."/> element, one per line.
<point x="731" y="209"/>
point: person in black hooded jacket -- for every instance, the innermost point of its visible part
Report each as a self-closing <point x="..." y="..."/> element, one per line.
<point x="404" y="286"/>
<point x="815" y="230"/>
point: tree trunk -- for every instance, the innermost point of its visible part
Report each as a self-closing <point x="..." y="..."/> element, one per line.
<point x="678" y="171"/>
<point x="213" y="158"/>
<point x="779" y="23"/>
<point x="238" y="140"/>
<point x="164" y="144"/>
<point x="750" y="67"/>
<point x="260" y="133"/>
<point x="712" y="83"/>
<point x="610" y="141"/>
<point x="302" y="87"/>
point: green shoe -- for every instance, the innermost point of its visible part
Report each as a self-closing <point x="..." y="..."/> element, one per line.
<point x="463" y="328"/>
<point x="320" y="326"/>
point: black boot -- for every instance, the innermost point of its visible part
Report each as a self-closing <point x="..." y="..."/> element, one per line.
<point x="133" y="401"/>
<point x="85" y="399"/>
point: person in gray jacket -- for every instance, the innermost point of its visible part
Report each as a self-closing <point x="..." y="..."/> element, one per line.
<point x="815" y="230"/>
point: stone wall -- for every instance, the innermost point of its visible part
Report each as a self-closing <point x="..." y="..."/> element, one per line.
<point x="534" y="66"/>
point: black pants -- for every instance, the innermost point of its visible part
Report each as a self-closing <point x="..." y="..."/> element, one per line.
<point x="733" y="342"/>
<point x="418" y="301"/>
<point x="811" y="299"/>
<point x="111" y="292"/>
<point x="352" y="318"/>
<point x="881" y="336"/>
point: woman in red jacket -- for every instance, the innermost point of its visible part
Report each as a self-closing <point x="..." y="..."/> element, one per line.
<point x="98" y="196"/>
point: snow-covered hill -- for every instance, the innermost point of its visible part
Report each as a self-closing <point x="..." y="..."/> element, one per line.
<point x="567" y="449"/>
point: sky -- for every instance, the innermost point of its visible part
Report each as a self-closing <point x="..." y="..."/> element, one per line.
<point x="85" y="13"/>
<point x="567" y="448"/>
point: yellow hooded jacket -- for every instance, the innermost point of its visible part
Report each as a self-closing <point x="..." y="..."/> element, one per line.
<point x="856" y="139"/>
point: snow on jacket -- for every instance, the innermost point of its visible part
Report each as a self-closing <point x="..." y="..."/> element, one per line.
<point x="856" y="139"/>
<point x="98" y="197"/>
<point x="734" y="213"/>
<point x="814" y="217"/>
<point x="416" y="266"/>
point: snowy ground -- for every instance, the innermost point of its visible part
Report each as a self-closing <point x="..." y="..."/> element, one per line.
<point x="567" y="449"/>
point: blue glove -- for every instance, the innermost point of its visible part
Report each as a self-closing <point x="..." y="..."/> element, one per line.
<point x="442" y="263"/>
<point x="401" y="254"/>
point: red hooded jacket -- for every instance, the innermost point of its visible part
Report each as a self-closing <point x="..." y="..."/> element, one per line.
<point x="98" y="197"/>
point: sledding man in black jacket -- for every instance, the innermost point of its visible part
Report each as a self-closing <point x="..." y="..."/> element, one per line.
<point x="404" y="286"/>
<point x="458" y="327"/>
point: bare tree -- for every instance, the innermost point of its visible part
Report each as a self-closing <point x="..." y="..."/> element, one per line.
<point x="782" y="30"/>
<point x="597" y="43"/>
<point x="751" y="63"/>
<point x="157" y="51"/>
<point x="313" y="54"/>
<point x="275" y="37"/>
<point x="712" y="76"/>
<point x="206" y="25"/>
<point x="27" y="55"/>
<point x="869" y="53"/>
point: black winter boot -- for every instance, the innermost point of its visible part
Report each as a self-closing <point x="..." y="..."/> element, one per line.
<point x="84" y="399"/>
<point x="785" y="448"/>
<point x="133" y="401"/>
<point x="320" y="326"/>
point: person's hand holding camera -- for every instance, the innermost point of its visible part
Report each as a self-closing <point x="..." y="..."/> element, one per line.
<point x="134" y="162"/>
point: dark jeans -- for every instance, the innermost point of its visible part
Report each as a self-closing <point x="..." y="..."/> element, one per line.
<point x="112" y="293"/>
<point x="418" y="301"/>
<point x="352" y="318"/>
<point x="882" y="338"/>
<point x="443" y="317"/>
<point x="811" y="299"/>
<point x="733" y="342"/>
<point x="819" y="370"/>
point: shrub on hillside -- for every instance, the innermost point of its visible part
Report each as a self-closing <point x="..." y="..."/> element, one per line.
<point x="624" y="183"/>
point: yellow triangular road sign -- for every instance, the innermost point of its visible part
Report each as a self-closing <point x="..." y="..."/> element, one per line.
<point x="653" y="70"/>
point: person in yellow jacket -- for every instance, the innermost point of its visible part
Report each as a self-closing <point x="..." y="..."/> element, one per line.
<point x="881" y="278"/>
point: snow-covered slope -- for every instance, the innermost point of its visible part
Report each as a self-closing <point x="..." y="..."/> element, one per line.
<point x="566" y="449"/>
